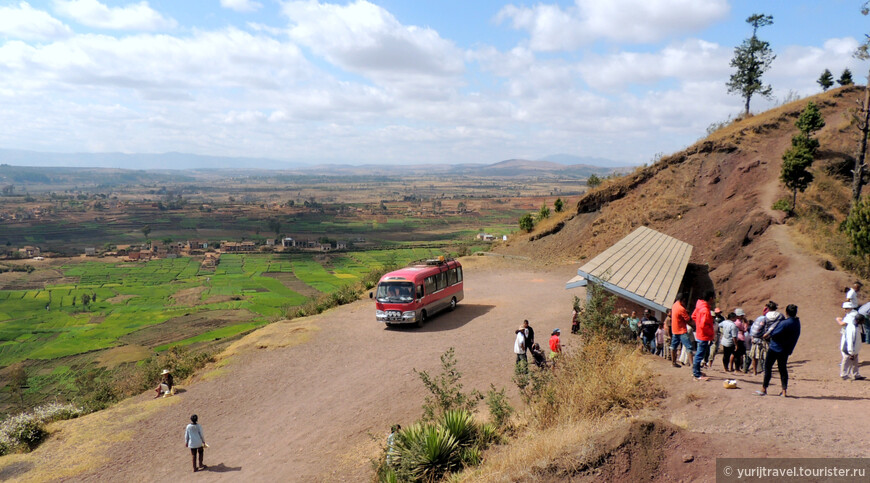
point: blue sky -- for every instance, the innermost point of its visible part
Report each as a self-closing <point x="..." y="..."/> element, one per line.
<point x="394" y="81"/>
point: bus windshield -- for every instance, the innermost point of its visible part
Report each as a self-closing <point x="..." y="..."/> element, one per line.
<point x="395" y="292"/>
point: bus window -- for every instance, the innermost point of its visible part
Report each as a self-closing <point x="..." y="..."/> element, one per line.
<point x="451" y="277"/>
<point x="429" y="285"/>
<point x="441" y="280"/>
<point x="458" y="274"/>
<point x="419" y="291"/>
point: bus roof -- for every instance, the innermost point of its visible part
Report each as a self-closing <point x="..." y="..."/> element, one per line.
<point x="415" y="271"/>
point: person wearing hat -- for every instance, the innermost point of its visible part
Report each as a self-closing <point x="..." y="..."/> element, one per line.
<point x="555" y="344"/>
<point x="166" y="383"/>
<point x="850" y="343"/>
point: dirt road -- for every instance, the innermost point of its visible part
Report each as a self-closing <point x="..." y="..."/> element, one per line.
<point x="307" y="412"/>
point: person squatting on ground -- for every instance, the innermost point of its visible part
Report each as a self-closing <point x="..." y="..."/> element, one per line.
<point x="538" y="356"/>
<point x="783" y="338"/>
<point x="164" y="387"/>
<point x="194" y="440"/>
<point x="678" y="329"/>
<point x="705" y="333"/>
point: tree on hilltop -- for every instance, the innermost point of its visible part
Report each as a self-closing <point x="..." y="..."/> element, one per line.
<point x="593" y="181"/>
<point x="845" y="78"/>
<point x="558" y="205"/>
<point x="751" y="59"/>
<point x="826" y="80"/>
<point x="544" y="212"/>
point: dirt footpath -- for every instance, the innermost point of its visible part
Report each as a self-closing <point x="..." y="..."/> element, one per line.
<point x="309" y="412"/>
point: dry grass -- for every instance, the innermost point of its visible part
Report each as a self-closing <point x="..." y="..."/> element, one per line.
<point x="820" y="211"/>
<point x="591" y="391"/>
<point x="284" y="333"/>
<point x="534" y="449"/>
<point x="84" y="440"/>
<point x="601" y="378"/>
<point x="121" y="355"/>
<point x="693" y="396"/>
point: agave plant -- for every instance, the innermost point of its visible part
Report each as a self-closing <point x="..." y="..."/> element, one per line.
<point x="461" y="425"/>
<point x="426" y="452"/>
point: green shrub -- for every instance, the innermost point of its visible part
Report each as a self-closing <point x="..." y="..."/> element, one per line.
<point x="460" y="424"/>
<point x="425" y="452"/>
<point x="781" y="204"/>
<point x="446" y="390"/>
<point x="598" y="316"/>
<point x="499" y="407"/>
<point x="24" y="430"/>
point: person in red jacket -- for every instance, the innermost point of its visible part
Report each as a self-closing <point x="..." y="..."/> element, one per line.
<point x="704" y="333"/>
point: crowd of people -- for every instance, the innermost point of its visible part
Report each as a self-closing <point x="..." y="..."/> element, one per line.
<point x="747" y="345"/>
<point x="525" y="342"/>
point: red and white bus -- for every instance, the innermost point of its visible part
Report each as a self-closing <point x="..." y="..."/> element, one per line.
<point x="413" y="294"/>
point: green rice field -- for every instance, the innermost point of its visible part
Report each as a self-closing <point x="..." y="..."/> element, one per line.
<point x="161" y="303"/>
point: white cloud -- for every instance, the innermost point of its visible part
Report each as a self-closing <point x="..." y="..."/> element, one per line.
<point x="241" y="5"/>
<point x="27" y="23"/>
<point x="552" y="28"/>
<point x="135" y="16"/>
<point x="692" y="59"/>
<point x="366" y="39"/>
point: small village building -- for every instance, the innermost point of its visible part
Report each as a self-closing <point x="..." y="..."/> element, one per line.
<point x="270" y="242"/>
<point x="644" y="270"/>
<point x="90" y="252"/>
<point x="288" y="242"/>
<point x="235" y="247"/>
<point x="29" y="251"/>
<point x="485" y="237"/>
<point x="341" y="245"/>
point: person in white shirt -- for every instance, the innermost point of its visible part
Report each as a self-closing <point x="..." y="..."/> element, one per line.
<point x="852" y="293"/>
<point x="520" y="345"/>
<point x="850" y="345"/>
<point x="194" y="440"/>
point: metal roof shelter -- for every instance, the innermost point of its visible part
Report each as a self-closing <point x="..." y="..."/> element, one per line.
<point x="645" y="267"/>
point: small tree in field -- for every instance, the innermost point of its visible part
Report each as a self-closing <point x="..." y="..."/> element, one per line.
<point x="543" y="213"/>
<point x="527" y="223"/>
<point x="558" y="205"/>
<point x="857" y="226"/>
<point x="845" y="78"/>
<point x="826" y="80"/>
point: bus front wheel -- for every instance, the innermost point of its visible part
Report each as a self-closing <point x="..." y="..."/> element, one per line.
<point x="422" y="319"/>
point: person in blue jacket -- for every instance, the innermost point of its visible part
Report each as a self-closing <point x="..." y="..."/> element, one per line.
<point x="783" y="338"/>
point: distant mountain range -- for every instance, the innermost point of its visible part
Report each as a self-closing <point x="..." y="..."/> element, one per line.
<point x="557" y="165"/>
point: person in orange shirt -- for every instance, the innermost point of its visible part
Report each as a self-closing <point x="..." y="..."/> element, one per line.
<point x="677" y="328"/>
<point x="704" y="334"/>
